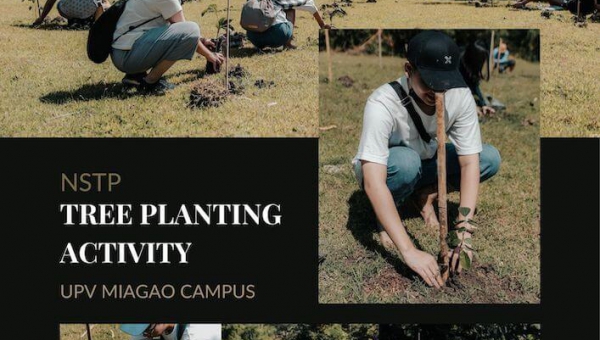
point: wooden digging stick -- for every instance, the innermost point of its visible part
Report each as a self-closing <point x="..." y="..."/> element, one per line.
<point x="227" y="49"/>
<point x="379" y="32"/>
<point x="328" y="48"/>
<point x="89" y="331"/>
<point x="444" y="257"/>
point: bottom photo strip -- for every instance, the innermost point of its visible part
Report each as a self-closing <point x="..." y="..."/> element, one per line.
<point x="172" y="331"/>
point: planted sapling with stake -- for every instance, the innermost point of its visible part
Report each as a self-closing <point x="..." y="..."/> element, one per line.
<point x="461" y="254"/>
<point x="222" y="24"/>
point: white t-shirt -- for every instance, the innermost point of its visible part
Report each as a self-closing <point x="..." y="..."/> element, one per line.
<point x="138" y="11"/>
<point x="309" y="7"/>
<point x="387" y="123"/>
<point x="202" y="331"/>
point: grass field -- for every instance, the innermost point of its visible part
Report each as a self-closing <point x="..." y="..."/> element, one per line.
<point x="570" y="87"/>
<point x="48" y="87"/>
<point x="99" y="332"/>
<point x="357" y="269"/>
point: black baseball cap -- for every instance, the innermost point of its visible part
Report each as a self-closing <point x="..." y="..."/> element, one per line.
<point x="436" y="56"/>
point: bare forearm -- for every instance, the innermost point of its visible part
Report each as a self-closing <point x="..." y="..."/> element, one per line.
<point x="290" y="14"/>
<point x="47" y="8"/>
<point x="203" y="50"/>
<point x="319" y="19"/>
<point x="469" y="186"/>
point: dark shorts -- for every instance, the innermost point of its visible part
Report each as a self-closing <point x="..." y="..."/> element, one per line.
<point x="276" y="36"/>
<point x="586" y="7"/>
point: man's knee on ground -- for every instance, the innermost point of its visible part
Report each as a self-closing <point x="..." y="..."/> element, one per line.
<point x="490" y="160"/>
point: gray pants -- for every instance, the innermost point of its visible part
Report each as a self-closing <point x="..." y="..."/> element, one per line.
<point x="170" y="42"/>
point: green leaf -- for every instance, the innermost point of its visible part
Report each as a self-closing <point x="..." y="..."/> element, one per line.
<point x="471" y="222"/>
<point x="464" y="211"/>
<point x="210" y="9"/>
<point x="453" y="240"/>
<point x="465" y="261"/>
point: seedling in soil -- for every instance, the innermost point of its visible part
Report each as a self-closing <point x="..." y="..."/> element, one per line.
<point x="462" y="245"/>
<point x="221" y="24"/>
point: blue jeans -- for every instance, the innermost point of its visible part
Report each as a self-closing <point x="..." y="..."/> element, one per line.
<point x="172" y="42"/>
<point x="276" y="36"/>
<point x="406" y="172"/>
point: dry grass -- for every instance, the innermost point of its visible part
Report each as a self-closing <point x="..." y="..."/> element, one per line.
<point x="570" y="85"/>
<point x="48" y="87"/>
<point x="357" y="269"/>
<point x="99" y="332"/>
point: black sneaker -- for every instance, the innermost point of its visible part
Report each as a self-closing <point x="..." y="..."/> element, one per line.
<point x="133" y="79"/>
<point x="159" y="88"/>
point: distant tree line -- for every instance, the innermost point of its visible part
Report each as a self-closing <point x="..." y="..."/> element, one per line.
<point x="300" y="332"/>
<point x="460" y="332"/>
<point x="522" y="43"/>
<point x="381" y="332"/>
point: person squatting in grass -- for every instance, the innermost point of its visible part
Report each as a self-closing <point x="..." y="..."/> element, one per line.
<point x="74" y="9"/>
<point x="172" y="331"/>
<point x="502" y="61"/>
<point x="395" y="160"/>
<point x="163" y="38"/>
<point x="586" y="7"/>
<point x="281" y="33"/>
<point x="472" y="60"/>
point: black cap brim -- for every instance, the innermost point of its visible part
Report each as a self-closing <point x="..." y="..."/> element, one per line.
<point x="440" y="81"/>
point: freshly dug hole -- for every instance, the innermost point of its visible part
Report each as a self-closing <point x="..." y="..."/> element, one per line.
<point x="208" y="92"/>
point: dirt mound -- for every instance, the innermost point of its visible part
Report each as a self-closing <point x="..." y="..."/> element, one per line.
<point x="208" y="92"/>
<point x="346" y="81"/>
<point x="238" y="72"/>
<point x="261" y="84"/>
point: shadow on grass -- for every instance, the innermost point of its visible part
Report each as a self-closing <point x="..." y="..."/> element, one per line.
<point x="99" y="91"/>
<point x="249" y="52"/>
<point x="189" y="76"/>
<point x="362" y="225"/>
<point x="54" y="27"/>
<point x="86" y="93"/>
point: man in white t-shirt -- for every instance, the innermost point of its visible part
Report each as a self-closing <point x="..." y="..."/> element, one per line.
<point x="152" y="35"/>
<point x="397" y="153"/>
<point x="171" y="331"/>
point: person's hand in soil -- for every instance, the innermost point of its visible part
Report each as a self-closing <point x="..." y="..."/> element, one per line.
<point x="160" y="329"/>
<point x="208" y="43"/>
<point x="425" y="265"/>
<point x="216" y="59"/>
<point x="487" y="111"/>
